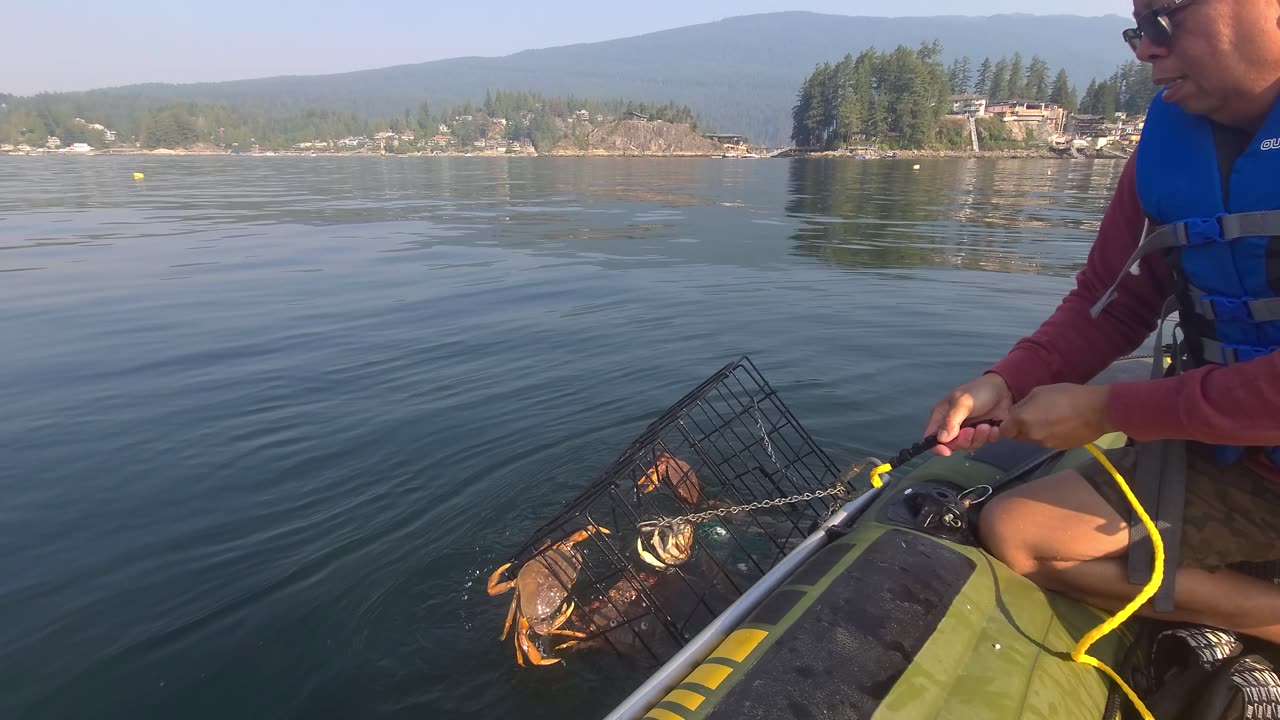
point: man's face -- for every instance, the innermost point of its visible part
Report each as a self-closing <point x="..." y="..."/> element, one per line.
<point x="1224" y="56"/>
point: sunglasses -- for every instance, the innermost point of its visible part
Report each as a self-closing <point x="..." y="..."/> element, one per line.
<point x="1156" y="25"/>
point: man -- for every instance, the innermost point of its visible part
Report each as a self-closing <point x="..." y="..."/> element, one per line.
<point x="1211" y="144"/>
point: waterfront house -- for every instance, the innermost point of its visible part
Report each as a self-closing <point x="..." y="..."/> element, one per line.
<point x="1023" y="113"/>
<point x="727" y="138"/>
<point x="970" y="104"/>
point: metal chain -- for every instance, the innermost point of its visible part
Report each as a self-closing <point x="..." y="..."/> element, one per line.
<point x="764" y="435"/>
<point x="837" y="489"/>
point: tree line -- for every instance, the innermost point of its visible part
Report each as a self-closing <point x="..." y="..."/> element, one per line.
<point x="898" y="98"/>
<point x="544" y="121"/>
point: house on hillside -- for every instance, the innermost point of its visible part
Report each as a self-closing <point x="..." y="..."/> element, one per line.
<point x="1025" y="114"/>
<point x="582" y="115"/>
<point x="975" y="105"/>
<point x="637" y="116"/>
<point x="726" y="138"/>
<point x="1090" y="126"/>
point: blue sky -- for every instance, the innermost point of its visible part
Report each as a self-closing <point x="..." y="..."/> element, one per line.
<point x="78" y="44"/>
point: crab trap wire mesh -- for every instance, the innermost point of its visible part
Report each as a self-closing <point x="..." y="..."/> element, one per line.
<point x="710" y="497"/>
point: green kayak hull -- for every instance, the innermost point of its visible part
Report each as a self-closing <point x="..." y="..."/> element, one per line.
<point x="894" y="621"/>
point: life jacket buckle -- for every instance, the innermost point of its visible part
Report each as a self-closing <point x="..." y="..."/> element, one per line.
<point x="1203" y="230"/>
<point x="1230" y="309"/>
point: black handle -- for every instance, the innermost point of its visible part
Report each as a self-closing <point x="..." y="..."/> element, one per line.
<point x="926" y="444"/>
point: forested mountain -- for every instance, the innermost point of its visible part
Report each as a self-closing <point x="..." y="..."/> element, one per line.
<point x="739" y="75"/>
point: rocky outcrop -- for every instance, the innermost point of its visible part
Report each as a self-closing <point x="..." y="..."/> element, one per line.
<point x="636" y="138"/>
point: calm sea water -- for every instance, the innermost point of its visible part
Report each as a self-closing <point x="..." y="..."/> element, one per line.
<point x="268" y="423"/>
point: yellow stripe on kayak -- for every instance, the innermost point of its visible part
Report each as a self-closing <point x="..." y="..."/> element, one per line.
<point x="709" y="676"/>
<point x="739" y="645"/>
<point x="686" y="698"/>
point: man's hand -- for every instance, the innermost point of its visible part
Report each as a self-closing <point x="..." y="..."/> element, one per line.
<point x="1060" y="416"/>
<point x="987" y="397"/>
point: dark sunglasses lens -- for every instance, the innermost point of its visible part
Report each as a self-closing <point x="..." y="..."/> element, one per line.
<point x="1133" y="36"/>
<point x="1156" y="27"/>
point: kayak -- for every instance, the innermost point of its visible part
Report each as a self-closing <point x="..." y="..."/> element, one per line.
<point x="895" y="611"/>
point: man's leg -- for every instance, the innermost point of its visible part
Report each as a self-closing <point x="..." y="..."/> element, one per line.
<point x="1061" y="534"/>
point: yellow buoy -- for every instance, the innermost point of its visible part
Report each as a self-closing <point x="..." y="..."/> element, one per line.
<point x="138" y="176"/>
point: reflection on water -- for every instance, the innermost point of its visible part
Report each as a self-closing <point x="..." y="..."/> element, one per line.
<point x="977" y="214"/>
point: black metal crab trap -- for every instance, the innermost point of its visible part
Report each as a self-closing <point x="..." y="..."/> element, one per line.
<point x="710" y="497"/>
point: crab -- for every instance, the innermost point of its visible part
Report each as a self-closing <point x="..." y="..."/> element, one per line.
<point x="618" y="619"/>
<point x="672" y="543"/>
<point x="541" y="604"/>
<point x="677" y="474"/>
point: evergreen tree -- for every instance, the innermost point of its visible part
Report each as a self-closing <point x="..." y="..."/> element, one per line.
<point x="801" y="131"/>
<point x="1037" y="82"/>
<point x="1016" y="89"/>
<point x="818" y="112"/>
<point x="1089" y="103"/>
<point x="1000" y="82"/>
<point x="982" y="84"/>
<point x="426" y="125"/>
<point x="1136" y="89"/>
<point x="960" y="76"/>
<point x="1062" y="93"/>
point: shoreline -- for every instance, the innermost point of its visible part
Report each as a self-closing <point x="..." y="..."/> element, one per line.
<point x="1045" y="154"/>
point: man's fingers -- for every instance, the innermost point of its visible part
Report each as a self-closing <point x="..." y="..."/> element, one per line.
<point x="961" y="405"/>
<point x="982" y="435"/>
<point x="936" y="417"/>
<point x="1012" y="427"/>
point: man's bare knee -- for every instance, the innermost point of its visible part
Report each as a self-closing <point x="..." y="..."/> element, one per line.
<point x="1001" y="531"/>
<point x="1037" y="527"/>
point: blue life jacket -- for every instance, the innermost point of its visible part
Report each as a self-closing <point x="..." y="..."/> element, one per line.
<point x="1223" y="245"/>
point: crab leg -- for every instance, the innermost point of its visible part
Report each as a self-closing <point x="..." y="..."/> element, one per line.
<point x="511" y="615"/>
<point x="582" y="534"/>
<point x="497" y="588"/>
<point x="529" y="649"/>
<point x="648" y="557"/>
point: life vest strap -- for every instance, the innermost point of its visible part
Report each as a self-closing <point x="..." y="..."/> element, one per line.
<point x="1165" y="236"/>
<point x="1192" y="232"/>
<point x="1219" y="307"/>
<point x="1250" y="224"/>
<point x="1225" y="354"/>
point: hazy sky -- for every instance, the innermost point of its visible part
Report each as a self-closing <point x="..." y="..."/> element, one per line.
<point x="78" y="44"/>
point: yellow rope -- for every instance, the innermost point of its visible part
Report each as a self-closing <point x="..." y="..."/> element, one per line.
<point x="1157" y="577"/>
<point x="880" y="470"/>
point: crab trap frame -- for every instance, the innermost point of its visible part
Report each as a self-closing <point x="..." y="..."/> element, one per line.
<point x="710" y="497"/>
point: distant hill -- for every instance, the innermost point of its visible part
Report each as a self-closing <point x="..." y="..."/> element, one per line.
<point x="740" y="75"/>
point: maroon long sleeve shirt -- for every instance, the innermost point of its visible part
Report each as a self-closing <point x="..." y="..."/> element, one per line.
<point x="1237" y="404"/>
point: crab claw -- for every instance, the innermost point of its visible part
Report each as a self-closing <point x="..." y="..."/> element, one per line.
<point x="495" y="587"/>
<point x="529" y="649"/>
<point x="676" y="473"/>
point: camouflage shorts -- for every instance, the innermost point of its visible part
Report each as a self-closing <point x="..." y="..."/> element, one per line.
<point x="1230" y="514"/>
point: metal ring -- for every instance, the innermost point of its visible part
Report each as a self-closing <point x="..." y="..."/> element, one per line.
<point x="975" y="489"/>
